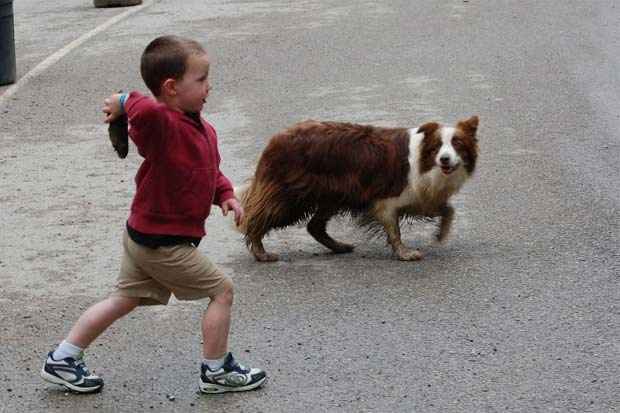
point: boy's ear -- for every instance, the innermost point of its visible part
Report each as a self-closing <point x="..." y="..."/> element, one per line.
<point x="169" y="87"/>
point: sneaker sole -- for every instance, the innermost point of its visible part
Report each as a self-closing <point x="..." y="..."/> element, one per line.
<point x="210" y="388"/>
<point x="57" y="380"/>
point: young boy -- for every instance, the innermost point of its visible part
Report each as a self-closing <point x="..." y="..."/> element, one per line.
<point x="176" y="185"/>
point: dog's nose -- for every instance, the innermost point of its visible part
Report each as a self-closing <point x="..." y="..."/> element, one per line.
<point x="444" y="159"/>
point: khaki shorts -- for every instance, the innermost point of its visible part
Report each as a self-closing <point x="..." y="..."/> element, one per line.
<point x="152" y="274"/>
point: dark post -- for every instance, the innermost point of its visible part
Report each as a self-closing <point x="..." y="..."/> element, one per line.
<point x="7" y="43"/>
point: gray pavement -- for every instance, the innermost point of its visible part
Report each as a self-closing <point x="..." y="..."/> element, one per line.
<point x="519" y="312"/>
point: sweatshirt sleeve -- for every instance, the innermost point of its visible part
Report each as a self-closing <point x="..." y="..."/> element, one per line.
<point x="147" y="122"/>
<point x="223" y="187"/>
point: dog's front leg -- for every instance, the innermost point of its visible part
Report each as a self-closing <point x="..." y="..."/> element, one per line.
<point x="446" y="216"/>
<point x="390" y="221"/>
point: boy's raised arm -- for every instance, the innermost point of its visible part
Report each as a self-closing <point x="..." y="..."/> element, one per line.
<point x="147" y="121"/>
<point x="145" y="115"/>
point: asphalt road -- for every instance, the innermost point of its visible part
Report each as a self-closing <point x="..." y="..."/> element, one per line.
<point x="519" y="312"/>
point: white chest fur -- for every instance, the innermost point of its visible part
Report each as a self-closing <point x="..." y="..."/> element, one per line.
<point x="425" y="193"/>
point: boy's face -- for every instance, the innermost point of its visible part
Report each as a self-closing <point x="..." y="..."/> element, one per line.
<point x="193" y="88"/>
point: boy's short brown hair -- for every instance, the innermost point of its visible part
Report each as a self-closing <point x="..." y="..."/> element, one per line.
<point x="166" y="58"/>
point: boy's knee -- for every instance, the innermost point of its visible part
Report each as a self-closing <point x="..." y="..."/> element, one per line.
<point x="124" y="304"/>
<point x="226" y="294"/>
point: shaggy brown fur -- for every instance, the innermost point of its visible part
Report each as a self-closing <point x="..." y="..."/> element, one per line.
<point x="316" y="170"/>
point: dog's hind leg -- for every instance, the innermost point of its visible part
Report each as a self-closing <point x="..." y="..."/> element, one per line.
<point x="446" y="216"/>
<point x="317" y="227"/>
<point x="262" y="209"/>
<point x="258" y="250"/>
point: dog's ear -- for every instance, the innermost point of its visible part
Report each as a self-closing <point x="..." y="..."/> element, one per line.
<point x="428" y="128"/>
<point x="469" y="126"/>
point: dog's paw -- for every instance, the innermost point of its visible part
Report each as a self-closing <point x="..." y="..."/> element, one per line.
<point x="266" y="257"/>
<point x="405" y="254"/>
<point x="440" y="237"/>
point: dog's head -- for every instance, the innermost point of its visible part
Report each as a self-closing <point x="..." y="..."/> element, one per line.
<point x="449" y="148"/>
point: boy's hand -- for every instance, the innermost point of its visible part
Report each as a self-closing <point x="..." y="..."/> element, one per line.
<point x="112" y="107"/>
<point x="116" y="118"/>
<point x="233" y="204"/>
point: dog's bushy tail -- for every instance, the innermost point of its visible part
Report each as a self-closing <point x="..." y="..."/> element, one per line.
<point x="241" y="193"/>
<point x="265" y="208"/>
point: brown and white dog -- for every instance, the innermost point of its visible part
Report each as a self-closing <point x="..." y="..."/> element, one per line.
<point x="316" y="170"/>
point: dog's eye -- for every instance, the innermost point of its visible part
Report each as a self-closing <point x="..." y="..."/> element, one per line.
<point x="457" y="143"/>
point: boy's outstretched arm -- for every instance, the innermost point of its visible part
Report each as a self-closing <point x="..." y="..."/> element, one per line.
<point x="231" y="204"/>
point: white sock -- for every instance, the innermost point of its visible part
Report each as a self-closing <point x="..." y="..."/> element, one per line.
<point x="215" y="364"/>
<point x="66" y="349"/>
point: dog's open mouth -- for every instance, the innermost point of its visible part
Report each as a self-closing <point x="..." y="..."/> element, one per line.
<point x="448" y="169"/>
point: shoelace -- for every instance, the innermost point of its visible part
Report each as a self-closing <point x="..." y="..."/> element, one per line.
<point x="240" y="368"/>
<point x="80" y="363"/>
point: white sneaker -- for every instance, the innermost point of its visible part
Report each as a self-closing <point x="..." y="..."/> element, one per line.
<point x="232" y="376"/>
<point x="71" y="373"/>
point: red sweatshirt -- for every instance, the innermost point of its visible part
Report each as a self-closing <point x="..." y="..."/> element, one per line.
<point x="180" y="177"/>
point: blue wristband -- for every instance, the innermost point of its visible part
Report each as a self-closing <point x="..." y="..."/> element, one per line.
<point x="122" y="100"/>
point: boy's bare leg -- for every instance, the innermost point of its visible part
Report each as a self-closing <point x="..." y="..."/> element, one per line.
<point x="68" y="369"/>
<point x="219" y="371"/>
<point x="216" y="325"/>
<point x="98" y="318"/>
